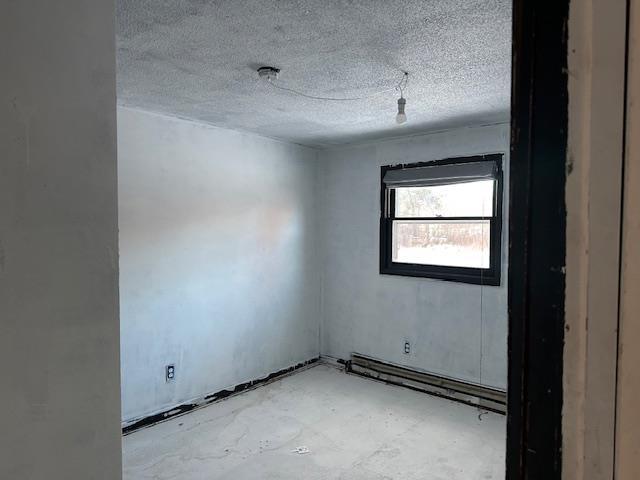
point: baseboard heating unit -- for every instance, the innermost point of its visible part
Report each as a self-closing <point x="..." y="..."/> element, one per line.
<point x="472" y="394"/>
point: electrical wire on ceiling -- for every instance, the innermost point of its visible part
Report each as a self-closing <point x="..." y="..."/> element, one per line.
<point x="400" y="86"/>
<point x="270" y="74"/>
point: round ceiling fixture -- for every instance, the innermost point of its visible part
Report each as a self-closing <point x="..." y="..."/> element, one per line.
<point x="268" y="73"/>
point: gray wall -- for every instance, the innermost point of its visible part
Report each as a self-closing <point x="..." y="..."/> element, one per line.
<point x="218" y="258"/>
<point x="455" y="329"/>
<point x="59" y="400"/>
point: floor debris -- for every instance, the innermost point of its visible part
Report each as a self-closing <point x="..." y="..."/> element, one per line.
<point x="342" y="421"/>
<point x="301" y="450"/>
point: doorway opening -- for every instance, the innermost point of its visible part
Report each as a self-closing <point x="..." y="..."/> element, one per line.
<point x="347" y="207"/>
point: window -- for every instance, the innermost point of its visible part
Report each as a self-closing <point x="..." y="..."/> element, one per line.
<point x="443" y="220"/>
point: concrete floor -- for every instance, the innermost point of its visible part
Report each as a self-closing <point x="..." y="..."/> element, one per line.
<point x="354" y="429"/>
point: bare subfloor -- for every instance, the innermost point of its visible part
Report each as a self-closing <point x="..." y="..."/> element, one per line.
<point x="353" y="428"/>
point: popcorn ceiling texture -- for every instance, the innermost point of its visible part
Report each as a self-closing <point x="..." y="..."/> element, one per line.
<point x="196" y="59"/>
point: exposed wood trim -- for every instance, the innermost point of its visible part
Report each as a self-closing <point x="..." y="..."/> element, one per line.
<point x="593" y="192"/>
<point x="537" y="239"/>
<point x="627" y="454"/>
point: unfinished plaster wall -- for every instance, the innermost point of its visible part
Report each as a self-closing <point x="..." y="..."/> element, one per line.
<point x="218" y="264"/>
<point x="455" y="329"/>
<point x="59" y="401"/>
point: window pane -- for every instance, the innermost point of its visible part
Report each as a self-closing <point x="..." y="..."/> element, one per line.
<point x="441" y="242"/>
<point x="473" y="199"/>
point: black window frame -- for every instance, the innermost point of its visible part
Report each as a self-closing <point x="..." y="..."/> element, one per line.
<point x="478" y="276"/>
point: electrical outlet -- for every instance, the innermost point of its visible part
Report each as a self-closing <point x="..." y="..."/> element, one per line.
<point x="407" y="348"/>
<point x="170" y="373"/>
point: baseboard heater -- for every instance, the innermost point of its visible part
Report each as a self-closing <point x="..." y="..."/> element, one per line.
<point x="469" y="393"/>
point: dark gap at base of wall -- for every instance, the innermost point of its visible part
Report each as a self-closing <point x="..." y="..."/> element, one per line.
<point x="474" y="395"/>
<point x="212" y="398"/>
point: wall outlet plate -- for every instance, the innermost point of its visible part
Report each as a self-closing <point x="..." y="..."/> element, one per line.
<point x="170" y="372"/>
<point x="407" y="348"/>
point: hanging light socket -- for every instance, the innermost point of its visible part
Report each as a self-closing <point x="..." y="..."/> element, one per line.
<point x="401" y="117"/>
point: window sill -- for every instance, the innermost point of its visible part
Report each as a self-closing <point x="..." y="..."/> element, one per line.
<point x="448" y="274"/>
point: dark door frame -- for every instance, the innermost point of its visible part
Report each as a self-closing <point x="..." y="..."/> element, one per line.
<point x="537" y="239"/>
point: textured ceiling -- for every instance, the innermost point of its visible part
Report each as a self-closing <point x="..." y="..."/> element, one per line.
<point x="196" y="59"/>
